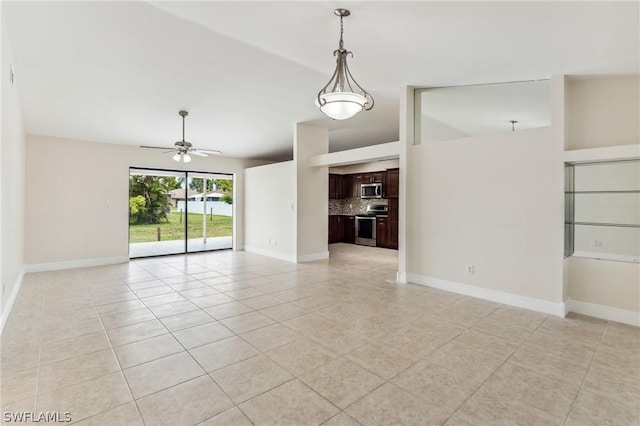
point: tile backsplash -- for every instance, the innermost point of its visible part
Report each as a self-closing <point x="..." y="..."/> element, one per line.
<point x="349" y="206"/>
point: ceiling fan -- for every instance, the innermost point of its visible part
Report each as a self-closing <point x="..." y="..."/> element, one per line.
<point x="182" y="148"/>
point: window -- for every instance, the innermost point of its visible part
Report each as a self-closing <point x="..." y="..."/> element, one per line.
<point x="602" y="210"/>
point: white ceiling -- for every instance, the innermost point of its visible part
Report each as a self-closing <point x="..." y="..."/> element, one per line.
<point x="247" y="71"/>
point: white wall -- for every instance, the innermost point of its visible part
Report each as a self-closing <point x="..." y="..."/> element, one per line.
<point x="603" y="111"/>
<point x="12" y="172"/>
<point x="432" y="130"/>
<point x="494" y="202"/>
<point x="94" y="177"/>
<point x="605" y="283"/>
<point x="312" y="204"/>
<point x="269" y="210"/>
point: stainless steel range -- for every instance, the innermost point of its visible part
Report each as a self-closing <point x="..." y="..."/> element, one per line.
<point x="366" y="224"/>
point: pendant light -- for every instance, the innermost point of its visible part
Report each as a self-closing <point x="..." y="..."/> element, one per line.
<point x="342" y="97"/>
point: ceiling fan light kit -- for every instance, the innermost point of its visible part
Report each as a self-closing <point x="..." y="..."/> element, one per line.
<point x="342" y="97"/>
<point x="182" y="148"/>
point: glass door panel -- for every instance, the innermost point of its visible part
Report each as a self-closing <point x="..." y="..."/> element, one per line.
<point x="210" y="212"/>
<point x="157" y="220"/>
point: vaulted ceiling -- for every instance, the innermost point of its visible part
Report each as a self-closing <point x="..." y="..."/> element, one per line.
<point x="118" y="72"/>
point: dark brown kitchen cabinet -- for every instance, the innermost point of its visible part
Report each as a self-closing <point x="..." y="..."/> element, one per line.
<point x="392" y="234"/>
<point x="336" y="229"/>
<point x="342" y="228"/>
<point x="370" y="177"/>
<point x="332" y="186"/>
<point x="346" y="186"/>
<point x="356" y="181"/>
<point x="393" y="183"/>
<point x="377" y="177"/>
<point x="382" y="231"/>
<point x="349" y="229"/>
<point x="339" y="186"/>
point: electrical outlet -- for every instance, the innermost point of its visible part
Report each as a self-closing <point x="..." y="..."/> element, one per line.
<point x="471" y="269"/>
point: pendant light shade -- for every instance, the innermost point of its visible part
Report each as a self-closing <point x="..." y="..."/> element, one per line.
<point x="342" y="97"/>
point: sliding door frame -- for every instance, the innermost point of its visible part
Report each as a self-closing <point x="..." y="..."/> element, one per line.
<point x="185" y="174"/>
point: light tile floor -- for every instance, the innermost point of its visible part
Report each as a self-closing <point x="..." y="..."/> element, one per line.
<point x="233" y="338"/>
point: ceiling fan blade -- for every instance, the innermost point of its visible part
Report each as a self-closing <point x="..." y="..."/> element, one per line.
<point x="210" y="151"/>
<point x="198" y="153"/>
<point x="155" y="147"/>
<point x="173" y="151"/>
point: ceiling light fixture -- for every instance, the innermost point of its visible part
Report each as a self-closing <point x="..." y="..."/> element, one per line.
<point x="182" y="148"/>
<point x="342" y="97"/>
<point x="513" y="125"/>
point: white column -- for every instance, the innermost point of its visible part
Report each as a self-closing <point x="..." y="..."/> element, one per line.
<point x="311" y="191"/>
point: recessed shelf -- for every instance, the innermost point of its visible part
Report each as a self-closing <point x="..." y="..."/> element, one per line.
<point x="625" y="191"/>
<point x="620" y="225"/>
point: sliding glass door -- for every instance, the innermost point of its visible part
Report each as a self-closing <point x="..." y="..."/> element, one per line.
<point x="175" y="212"/>
<point x="210" y="212"/>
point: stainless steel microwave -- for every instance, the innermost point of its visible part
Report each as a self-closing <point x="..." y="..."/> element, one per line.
<point x="371" y="190"/>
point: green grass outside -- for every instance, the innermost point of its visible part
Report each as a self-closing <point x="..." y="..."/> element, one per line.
<point x="174" y="230"/>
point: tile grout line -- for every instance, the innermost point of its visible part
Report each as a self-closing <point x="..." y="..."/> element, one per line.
<point x="113" y="352"/>
<point x="237" y="405"/>
<point x="584" y="377"/>
<point x="205" y="373"/>
<point x="493" y="373"/>
<point x="388" y="381"/>
<point x="44" y="302"/>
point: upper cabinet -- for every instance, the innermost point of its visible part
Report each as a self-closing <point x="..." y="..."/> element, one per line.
<point x="348" y="186"/>
<point x="393" y="183"/>
<point x="339" y="186"/>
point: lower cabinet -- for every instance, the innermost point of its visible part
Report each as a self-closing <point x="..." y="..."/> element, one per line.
<point x="349" y="229"/>
<point x="342" y="229"/>
<point x="382" y="232"/>
<point x="336" y="229"/>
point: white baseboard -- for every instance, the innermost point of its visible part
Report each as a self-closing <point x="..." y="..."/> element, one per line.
<point x="313" y="256"/>
<point x="276" y="255"/>
<point x="604" y="312"/>
<point x="6" y="310"/>
<point x="530" y="303"/>
<point x="84" y="263"/>
<point x="401" y="277"/>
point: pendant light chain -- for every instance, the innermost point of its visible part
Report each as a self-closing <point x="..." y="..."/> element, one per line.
<point x="341" y="45"/>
